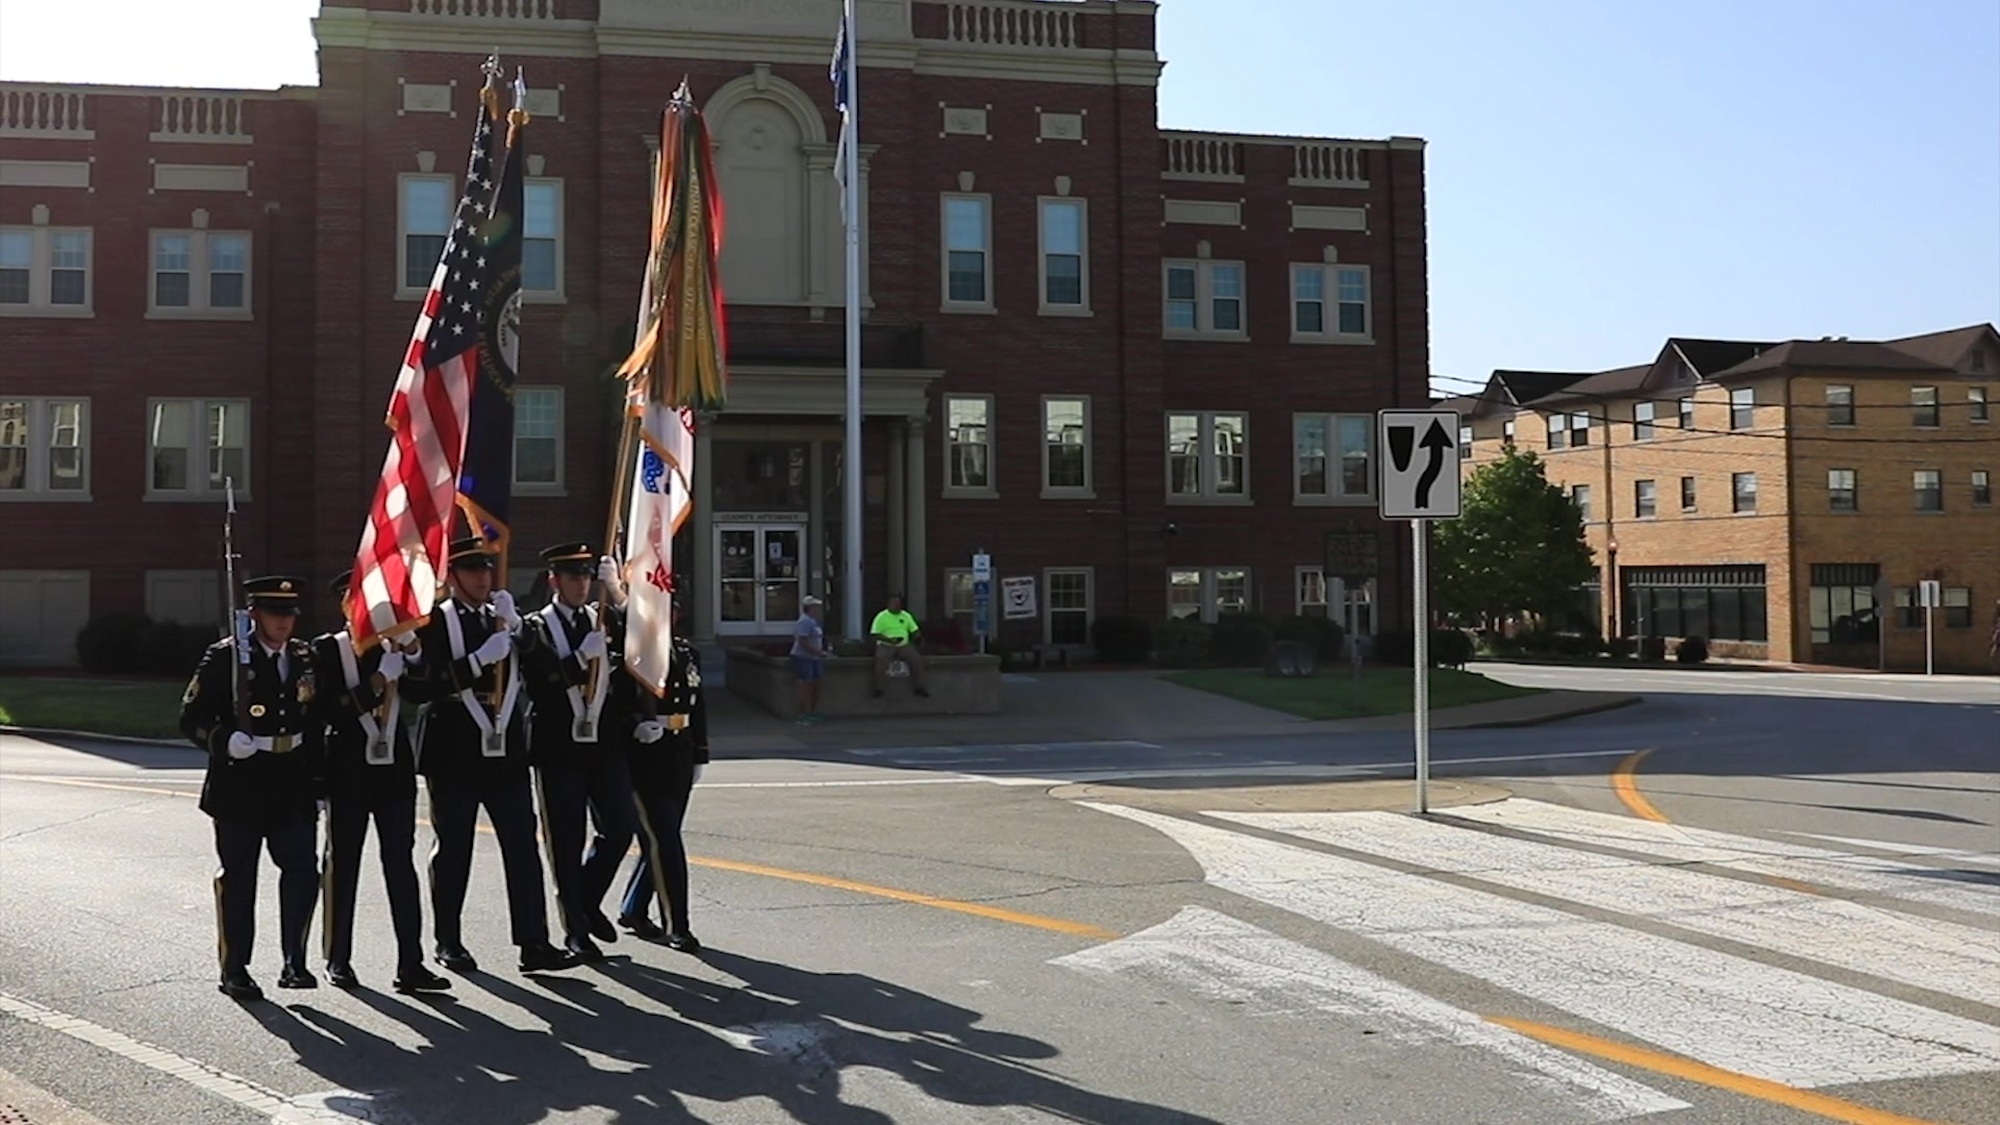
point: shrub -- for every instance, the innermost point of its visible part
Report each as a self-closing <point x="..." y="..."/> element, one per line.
<point x="169" y="648"/>
<point x="1322" y="634"/>
<point x="1181" y="642"/>
<point x="109" y="643"/>
<point x="1121" y="640"/>
<point x="1692" y="650"/>
<point x="1450" y="648"/>
<point x="1653" y="648"/>
<point x="1240" y="640"/>
<point x="1395" y="647"/>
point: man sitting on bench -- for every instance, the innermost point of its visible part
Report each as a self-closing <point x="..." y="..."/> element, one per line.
<point x="896" y="638"/>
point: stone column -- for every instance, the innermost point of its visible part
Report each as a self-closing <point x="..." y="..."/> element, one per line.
<point x="701" y="599"/>
<point x="916" y="495"/>
<point x="897" y="550"/>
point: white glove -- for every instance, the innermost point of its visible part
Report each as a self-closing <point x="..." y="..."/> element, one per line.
<point x="650" y="731"/>
<point x="593" y="644"/>
<point x="698" y="767"/>
<point x="241" y="745"/>
<point x="503" y="607"/>
<point x="494" y="650"/>
<point x="391" y="668"/>
<point x="607" y="570"/>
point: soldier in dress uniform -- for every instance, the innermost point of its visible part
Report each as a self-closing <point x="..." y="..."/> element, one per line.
<point x="263" y="782"/>
<point x="371" y="772"/>
<point x="473" y="751"/>
<point x="669" y="752"/>
<point x="573" y="658"/>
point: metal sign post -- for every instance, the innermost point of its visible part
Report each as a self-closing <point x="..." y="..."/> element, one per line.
<point x="1931" y="593"/>
<point x="1418" y="454"/>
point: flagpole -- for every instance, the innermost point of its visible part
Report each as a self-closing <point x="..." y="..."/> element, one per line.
<point x="851" y="553"/>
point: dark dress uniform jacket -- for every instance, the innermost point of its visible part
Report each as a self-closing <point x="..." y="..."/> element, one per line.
<point x="686" y="748"/>
<point x="448" y="739"/>
<point x="551" y="675"/>
<point x="266" y="788"/>
<point x="339" y="712"/>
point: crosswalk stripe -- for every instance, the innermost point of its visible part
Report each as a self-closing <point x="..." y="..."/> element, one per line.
<point x="1956" y="855"/>
<point x="1221" y="957"/>
<point x="1913" y="882"/>
<point x="1951" y="959"/>
<point x="1728" y="1011"/>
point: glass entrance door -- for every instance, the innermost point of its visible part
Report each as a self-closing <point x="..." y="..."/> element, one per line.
<point x="758" y="570"/>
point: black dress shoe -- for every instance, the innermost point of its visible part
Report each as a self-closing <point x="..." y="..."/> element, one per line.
<point x="340" y="974"/>
<point x="238" y="986"/>
<point x="601" y="928"/>
<point x="640" y="926"/>
<point x="545" y="958"/>
<point x="683" y="942"/>
<point x="416" y="978"/>
<point x="585" y="950"/>
<point x="455" y="958"/>
<point x="296" y="976"/>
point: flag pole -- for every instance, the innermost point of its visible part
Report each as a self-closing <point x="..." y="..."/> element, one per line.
<point x="851" y="553"/>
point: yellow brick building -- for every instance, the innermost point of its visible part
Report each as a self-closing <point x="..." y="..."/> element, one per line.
<point x="1785" y="500"/>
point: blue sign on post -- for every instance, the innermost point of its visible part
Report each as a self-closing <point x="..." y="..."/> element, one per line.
<point x="982" y="594"/>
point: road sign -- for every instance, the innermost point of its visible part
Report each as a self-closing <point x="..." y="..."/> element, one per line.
<point x="1017" y="596"/>
<point x="1418" y="452"/>
<point x="982" y="567"/>
<point x="1930" y="593"/>
<point x="1352" y="556"/>
<point x="982" y="607"/>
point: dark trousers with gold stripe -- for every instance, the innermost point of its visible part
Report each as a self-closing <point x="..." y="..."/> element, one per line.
<point x="291" y="846"/>
<point x="567" y="793"/>
<point x="394" y="811"/>
<point x="510" y="805"/>
<point x="662" y="800"/>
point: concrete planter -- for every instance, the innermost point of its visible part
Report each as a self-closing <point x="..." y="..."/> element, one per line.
<point x="960" y="685"/>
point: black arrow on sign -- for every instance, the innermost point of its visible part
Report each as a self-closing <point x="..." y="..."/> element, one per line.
<point x="1437" y="441"/>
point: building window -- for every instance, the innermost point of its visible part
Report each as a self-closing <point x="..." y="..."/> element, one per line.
<point x="1909" y="614"/>
<point x="1579" y="430"/>
<point x="1840" y="491"/>
<point x="1957" y="607"/>
<point x="1067" y="618"/>
<point x="1558" y="430"/>
<point x="1975" y="398"/>
<point x="538" y="438"/>
<point x="191" y="597"/>
<point x="1743" y="492"/>
<point x="1310" y="584"/>
<point x="1507" y="433"/>
<point x="1066" y="446"/>
<point x="1204" y="298"/>
<point x="1465" y="443"/>
<point x="1345" y="289"/>
<point x="425" y="211"/>
<point x="958" y="603"/>
<point x="1924" y="407"/>
<point x="1642" y="420"/>
<point x="541" y="237"/>
<point x="1724" y="603"/>
<point x="968" y="435"/>
<point x="1840" y="406"/>
<point x="1982" y="488"/>
<point x="1208" y="455"/>
<point x="195" y="447"/>
<point x="968" y="256"/>
<point x="1065" y="259"/>
<point x="1842" y="604"/>
<point x="1333" y="455"/>
<point x="1929" y="486"/>
<point x="1687" y="413"/>
<point x="44" y="448"/>
<point x="1687" y="494"/>
<point x="1579" y="494"/>
<point x="1207" y="593"/>
<point x="200" y="271"/>
<point x="1742" y="408"/>
<point x="44" y="270"/>
<point x="1645" y="499"/>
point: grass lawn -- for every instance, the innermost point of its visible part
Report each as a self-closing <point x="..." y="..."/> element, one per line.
<point x="1333" y="695"/>
<point x="139" y="708"/>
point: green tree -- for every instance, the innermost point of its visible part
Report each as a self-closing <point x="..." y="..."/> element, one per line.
<point x="1517" y="547"/>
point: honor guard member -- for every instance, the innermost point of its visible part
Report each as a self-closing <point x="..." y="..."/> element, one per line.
<point x="472" y="750"/>
<point x="248" y="709"/>
<point x="669" y="751"/>
<point x="371" y="773"/>
<point x="578" y="730"/>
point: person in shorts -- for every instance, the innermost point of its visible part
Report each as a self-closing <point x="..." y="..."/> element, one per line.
<point x="809" y="658"/>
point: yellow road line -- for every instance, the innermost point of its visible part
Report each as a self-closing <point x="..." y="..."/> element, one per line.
<point x="978" y="910"/>
<point x="1625" y="783"/>
<point x="1762" y="1089"/>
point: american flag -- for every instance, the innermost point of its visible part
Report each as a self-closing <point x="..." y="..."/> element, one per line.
<point x="402" y="558"/>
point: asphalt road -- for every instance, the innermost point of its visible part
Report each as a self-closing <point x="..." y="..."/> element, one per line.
<point x="1755" y="897"/>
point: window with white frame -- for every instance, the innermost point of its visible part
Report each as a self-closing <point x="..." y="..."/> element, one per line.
<point x="538" y="439"/>
<point x="191" y="597"/>
<point x="1065" y="445"/>
<point x="1982" y="488"/>
<point x="424" y="216"/>
<point x="1310" y="591"/>
<point x="1465" y="443"/>
<point x="1645" y="499"/>
<point x="968" y="251"/>
<point x="196" y="447"/>
<point x="1065" y="256"/>
<point x="1206" y="593"/>
<point x="1687" y="413"/>
<point x="1642" y="420"/>
<point x="1742" y="408"/>
<point x="1558" y="425"/>
<point x="1840" y="405"/>
<point x="1580" y="495"/>
<point x="1208" y="455"/>
<point x="44" y="448"/>
<point x="1204" y="298"/>
<point x="541" y="237"/>
<point x="1928" y="485"/>
<point x="1975" y="399"/>
<point x="1507" y="432"/>
<point x="1924" y="407"/>
<point x="1331" y="302"/>
<point x="968" y="437"/>
<point x="1066" y="620"/>
<point x="198" y="272"/>
<point x="1332" y="456"/>
<point x="958" y="603"/>
<point x="1743" y="492"/>
<point x="44" y="270"/>
<point x="1842" y="491"/>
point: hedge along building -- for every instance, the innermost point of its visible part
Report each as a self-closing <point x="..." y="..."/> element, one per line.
<point x="1134" y="364"/>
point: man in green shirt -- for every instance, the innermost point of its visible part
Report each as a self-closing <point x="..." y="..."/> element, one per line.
<point x="896" y="637"/>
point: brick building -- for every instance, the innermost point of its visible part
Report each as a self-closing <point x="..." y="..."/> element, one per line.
<point x="1063" y="307"/>
<point x="1781" y="499"/>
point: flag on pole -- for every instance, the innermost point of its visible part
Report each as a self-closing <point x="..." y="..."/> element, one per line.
<point x="676" y="366"/>
<point x="402" y="558"/>
<point x="842" y="43"/>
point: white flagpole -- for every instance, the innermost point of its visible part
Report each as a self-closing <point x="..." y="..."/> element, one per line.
<point x="851" y="553"/>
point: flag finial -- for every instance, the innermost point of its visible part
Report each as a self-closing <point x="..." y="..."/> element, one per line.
<point x="492" y="67"/>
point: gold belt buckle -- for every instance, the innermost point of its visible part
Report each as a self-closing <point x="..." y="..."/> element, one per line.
<point x="677" y="722"/>
<point x="281" y="744"/>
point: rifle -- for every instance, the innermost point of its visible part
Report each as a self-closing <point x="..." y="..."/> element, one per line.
<point x="239" y="619"/>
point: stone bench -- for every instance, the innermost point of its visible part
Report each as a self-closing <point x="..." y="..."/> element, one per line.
<point x="959" y="685"/>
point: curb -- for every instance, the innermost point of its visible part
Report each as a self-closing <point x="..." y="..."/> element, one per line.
<point x="1576" y="711"/>
<point x="129" y="740"/>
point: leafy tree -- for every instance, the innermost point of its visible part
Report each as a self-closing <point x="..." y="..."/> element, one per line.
<point x="1517" y="548"/>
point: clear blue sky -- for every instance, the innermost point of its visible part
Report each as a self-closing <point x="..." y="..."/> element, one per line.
<point x="1602" y="174"/>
